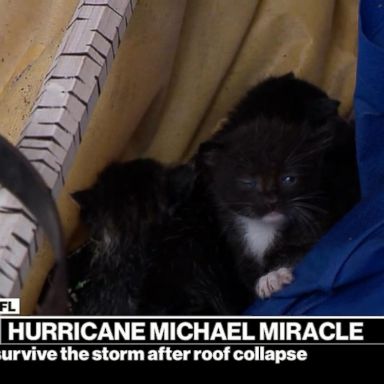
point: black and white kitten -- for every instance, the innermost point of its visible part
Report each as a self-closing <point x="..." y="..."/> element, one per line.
<point x="281" y="171"/>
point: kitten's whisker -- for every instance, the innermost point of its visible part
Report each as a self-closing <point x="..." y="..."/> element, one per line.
<point x="291" y="160"/>
<point x="308" y="226"/>
<point x="311" y="207"/>
<point x="305" y="219"/>
<point x="308" y="215"/>
<point x="317" y="195"/>
<point x="295" y="148"/>
<point x="301" y="157"/>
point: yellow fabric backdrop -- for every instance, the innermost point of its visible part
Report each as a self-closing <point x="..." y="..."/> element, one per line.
<point x="181" y="66"/>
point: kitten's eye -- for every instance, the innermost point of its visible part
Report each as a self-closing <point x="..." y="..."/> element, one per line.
<point x="288" y="179"/>
<point x="248" y="183"/>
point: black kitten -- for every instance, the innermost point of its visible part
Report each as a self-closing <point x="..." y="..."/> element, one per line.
<point x="121" y="210"/>
<point x="155" y="246"/>
<point x="281" y="171"/>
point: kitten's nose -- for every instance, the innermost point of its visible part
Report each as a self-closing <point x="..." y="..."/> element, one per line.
<point x="272" y="201"/>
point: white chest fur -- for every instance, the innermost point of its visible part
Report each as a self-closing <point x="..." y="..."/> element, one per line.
<point x="257" y="235"/>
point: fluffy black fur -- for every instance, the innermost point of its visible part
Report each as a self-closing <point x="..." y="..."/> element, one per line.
<point x="122" y="211"/>
<point x="284" y="164"/>
<point x="155" y="247"/>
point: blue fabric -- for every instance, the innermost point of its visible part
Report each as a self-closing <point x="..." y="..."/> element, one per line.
<point x="344" y="273"/>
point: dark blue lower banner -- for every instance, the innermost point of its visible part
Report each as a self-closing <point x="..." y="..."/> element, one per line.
<point x="250" y="340"/>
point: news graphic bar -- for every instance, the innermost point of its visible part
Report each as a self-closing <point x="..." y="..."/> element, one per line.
<point x="136" y="339"/>
<point x="180" y="331"/>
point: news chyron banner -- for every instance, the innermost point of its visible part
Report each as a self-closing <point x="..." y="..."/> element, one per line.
<point x="251" y="340"/>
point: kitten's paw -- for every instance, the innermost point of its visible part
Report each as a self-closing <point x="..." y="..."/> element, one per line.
<point x="273" y="282"/>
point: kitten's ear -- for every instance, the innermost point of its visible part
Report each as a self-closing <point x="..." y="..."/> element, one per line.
<point x="289" y="75"/>
<point x="83" y="198"/>
<point x="209" y="153"/>
<point x="322" y="109"/>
